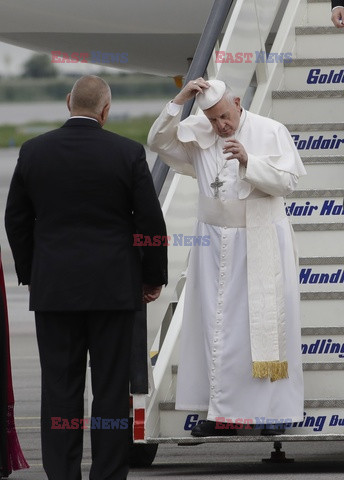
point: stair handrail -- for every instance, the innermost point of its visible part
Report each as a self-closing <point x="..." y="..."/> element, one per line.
<point x="198" y="67"/>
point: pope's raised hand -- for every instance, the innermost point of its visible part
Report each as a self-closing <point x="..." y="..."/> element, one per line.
<point x="190" y="90"/>
<point x="236" y="150"/>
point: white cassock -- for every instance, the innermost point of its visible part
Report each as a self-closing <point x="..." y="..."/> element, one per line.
<point x="220" y="339"/>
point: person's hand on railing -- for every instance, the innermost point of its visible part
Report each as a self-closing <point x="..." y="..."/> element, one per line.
<point x="190" y="90"/>
<point x="338" y="16"/>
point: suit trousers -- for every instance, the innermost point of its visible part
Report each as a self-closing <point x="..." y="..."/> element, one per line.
<point x="64" y="338"/>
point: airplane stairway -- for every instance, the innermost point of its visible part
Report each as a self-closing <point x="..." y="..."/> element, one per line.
<point x="307" y="95"/>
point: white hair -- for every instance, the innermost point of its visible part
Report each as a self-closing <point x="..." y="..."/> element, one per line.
<point x="229" y="94"/>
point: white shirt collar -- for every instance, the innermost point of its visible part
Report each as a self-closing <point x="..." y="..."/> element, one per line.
<point x="81" y="116"/>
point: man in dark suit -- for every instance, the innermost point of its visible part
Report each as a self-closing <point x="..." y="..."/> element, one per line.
<point x="338" y="13"/>
<point x="77" y="197"/>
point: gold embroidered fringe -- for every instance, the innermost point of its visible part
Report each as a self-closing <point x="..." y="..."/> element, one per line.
<point x="273" y="370"/>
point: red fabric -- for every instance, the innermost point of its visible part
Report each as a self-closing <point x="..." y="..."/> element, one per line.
<point x="15" y="457"/>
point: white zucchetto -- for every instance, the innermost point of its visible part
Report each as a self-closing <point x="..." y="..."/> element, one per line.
<point x="212" y="95"/>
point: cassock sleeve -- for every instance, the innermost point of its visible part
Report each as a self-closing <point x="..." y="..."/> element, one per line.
<point x="162" y="139"/>
<point x="275" y="175"/>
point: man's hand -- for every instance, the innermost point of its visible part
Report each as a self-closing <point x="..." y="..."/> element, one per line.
<point x="338" y="17"/>
<point x="150" y="293"/>
<point x="237" y="150"/>
<point x="190" y="90"/>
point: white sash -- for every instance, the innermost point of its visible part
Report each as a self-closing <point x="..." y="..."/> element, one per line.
<point x="264" y="274"/>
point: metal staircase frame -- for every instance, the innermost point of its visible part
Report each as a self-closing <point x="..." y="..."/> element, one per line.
<point x="269" y="78"/>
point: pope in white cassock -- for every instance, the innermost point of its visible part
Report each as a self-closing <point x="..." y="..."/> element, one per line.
<point x="240" y="349"/>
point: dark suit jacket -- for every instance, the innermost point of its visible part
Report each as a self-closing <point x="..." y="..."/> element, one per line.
<point x="77" y="196"/>
<point x="337" y="3"/>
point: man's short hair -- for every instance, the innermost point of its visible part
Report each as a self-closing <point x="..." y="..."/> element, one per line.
<point x="90" y="94"/>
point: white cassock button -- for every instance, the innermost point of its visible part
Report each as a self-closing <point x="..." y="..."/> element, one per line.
<point x="211" y="396"/>
<point x="223" y="256"/>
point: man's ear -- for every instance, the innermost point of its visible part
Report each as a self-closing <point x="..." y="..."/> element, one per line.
<point x="105" y="113"/>
<point x="237" y="101"/>
<point x="68" y="101"/>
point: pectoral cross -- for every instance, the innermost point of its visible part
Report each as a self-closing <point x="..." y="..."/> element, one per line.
<point x="216" y="185"/>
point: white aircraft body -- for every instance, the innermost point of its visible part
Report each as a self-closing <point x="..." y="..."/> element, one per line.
<point x="151" y="36"/>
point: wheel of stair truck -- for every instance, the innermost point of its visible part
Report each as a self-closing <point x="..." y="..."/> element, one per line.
<point x="142" y="454"/>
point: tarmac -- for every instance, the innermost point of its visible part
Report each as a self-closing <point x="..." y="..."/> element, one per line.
<point x="313" y="461"/>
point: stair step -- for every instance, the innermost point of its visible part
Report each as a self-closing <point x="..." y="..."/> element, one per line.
<point x="317" y="309"/>
<point x="321" y="379"/>
<point x="323" y="296"/>
<point x="171" y="406"/>
<point x="319" y="13"/>
<point x="312" y="210"/>
<point x="319" y="276"/>
<point x="314" y="77"/>
<point x="325" y="382"/>
<point x="322" y="308"/>
<point x="315" y="240"/>
<point x="306" y="367"/>
<point x="316" y="207"/>
<point x="320" y="227"/>
<point x="321" y="193"/>
<point x="315" y="30"/>
<point x="322" y="331"/>
<point x="323" y="173"/>
<point x="322" y="416"/>
<point x="305" y="94"/>
<point x="300" y="106"/>
<point x="321" y="367"/>
<point x="318" y="127"/>
<point x="313" y="139"/>
<point x="326" y="39"/>
<point x="324" y="160"/>
<point x="314" y="62"/>
<point x="296" y="435"/>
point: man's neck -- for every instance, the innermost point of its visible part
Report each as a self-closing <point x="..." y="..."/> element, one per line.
<point x="84" y="116"/>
